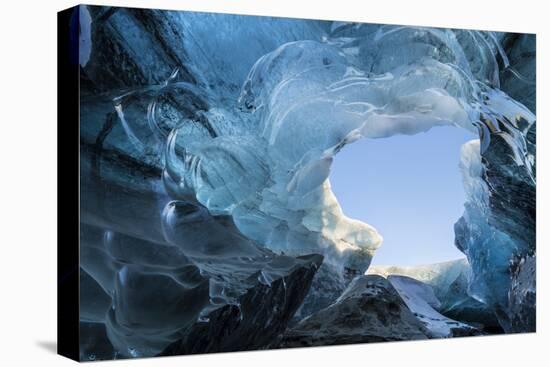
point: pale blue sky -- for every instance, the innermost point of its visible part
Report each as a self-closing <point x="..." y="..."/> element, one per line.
<point x="407" y="187"/>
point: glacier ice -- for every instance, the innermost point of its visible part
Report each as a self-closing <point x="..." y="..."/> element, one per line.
<point x="257" y="321"/>
<point x="497" y="229"/>
<point x="450" y="283"/>
<point x="369" y="310"/>
<point x="205" y="166"/>
<point x="421" y="300"/>
<point x="324" y="96"/>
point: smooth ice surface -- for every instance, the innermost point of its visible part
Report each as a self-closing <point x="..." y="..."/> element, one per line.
<point x="409" y="188"/>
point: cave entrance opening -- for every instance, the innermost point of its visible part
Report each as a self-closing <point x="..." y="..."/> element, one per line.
<point x="409" y="187"/>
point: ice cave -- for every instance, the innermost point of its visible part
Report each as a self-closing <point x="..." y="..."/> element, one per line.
<point x="208" y="222"/>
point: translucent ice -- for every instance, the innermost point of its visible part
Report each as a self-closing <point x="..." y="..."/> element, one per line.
<point x="205" y="160"/>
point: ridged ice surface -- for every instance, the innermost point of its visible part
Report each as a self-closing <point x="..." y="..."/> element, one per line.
<point x="305" y="100"/>
<point x="206" y="148"/>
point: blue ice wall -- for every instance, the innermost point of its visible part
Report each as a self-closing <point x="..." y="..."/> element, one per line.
<point x="206" y="143"/>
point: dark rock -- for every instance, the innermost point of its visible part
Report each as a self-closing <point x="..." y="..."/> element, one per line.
<point x="449" y="282"/>
<point x="261" y="316"/>
<point x="421" y="300"/>
<point x="370" y="310"/>
<point x="327" y="285"/>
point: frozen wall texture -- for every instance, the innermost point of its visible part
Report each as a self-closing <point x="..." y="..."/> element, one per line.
<point x="206" y="209"/>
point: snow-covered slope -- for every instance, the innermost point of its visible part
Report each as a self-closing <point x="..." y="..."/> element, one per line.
<point x="420" y="299"/>
<point x="449" y="282"/>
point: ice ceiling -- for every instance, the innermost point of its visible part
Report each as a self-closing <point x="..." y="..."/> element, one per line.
<point x="209" y="158"/>
<point x="305" y="100"/>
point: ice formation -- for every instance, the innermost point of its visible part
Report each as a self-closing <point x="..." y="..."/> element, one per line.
<point x="206" y="148"/>
<point x="421" y="300"/>
<point x="449" y="282"/>
<point x="369" y="310"/>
